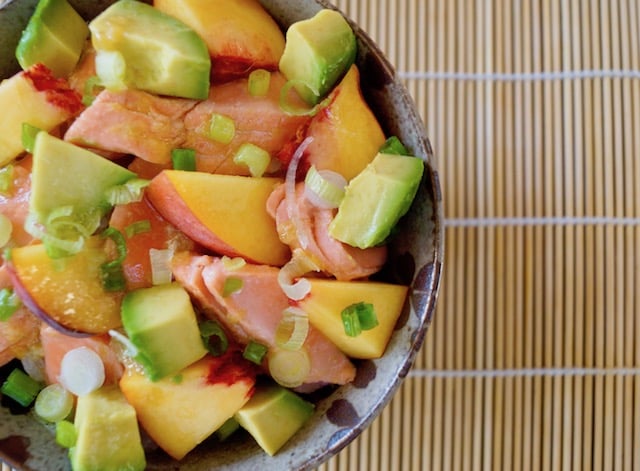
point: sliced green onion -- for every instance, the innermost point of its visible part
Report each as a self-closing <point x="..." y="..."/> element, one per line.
<point x="227" y="429"/>
<point x="21" y="387"/>
<point x="6" y="178"/>
<point x="288" y="108"/>
<point x="137" y="227"/>
<point x="6" y="228"/>
<point x="129" y="192"/>
<point x="255" y="352"/>
<point x="81" y="371"/>
<point x="214" y="338"/>
<point x="234" y="263"/>
<point x="324" y="188"/>
<point x="112" y="69"/>
<point x="299" y="265"/>
<point x="56" y="247"/>
<point x="29" y="133"/>
<point x="259" y="81"/>
<point x="66" y="434"/>
<point x="254" y="157"/>
<point x="184" y="159"/>
<point x="129" y="348"/>
<point x="231" y="285"/>
<point x="358" y="317"/>
<point x="113" y="278"/>
<point x="9" y="303"/>
<point x="289" y="368"/>
<point x="54" y="403"/>
<point x="89" y="90"/>
<point x="222" y="128"/>
<point x="64" y="230"/>
<point x="66" y="221"/>
<point x="160" y="260"/>
<point x="393" y="145"/>
<point x="292" y="329"/>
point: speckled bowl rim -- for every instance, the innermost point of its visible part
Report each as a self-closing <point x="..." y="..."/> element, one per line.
<point x="346" y="411"/>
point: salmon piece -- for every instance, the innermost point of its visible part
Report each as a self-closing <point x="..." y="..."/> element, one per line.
<point x="258" y="120"/>
<point x="161" y="235"/>
<point x="18" y="334"/>
<point x="254" y="312"/>
<point x="308" y="230"/>
<point x="145" y="169"/>
<point x="14" y="203"/>
<point x="132" y="122"/>
<point x="56" y="344"/>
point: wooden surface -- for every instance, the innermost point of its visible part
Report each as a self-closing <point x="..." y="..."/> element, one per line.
<point x="532" y="360"/>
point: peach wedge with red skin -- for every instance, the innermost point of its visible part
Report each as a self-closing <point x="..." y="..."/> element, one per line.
<point x="72" y="298"/>
<point x="240" y="34"/>
<point x="224" y="213"/>
<point x="180" y="412"/>
<point x="346" y="134"/>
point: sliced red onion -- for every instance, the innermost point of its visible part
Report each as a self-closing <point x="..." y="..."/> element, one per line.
<point x="290" y="190"/>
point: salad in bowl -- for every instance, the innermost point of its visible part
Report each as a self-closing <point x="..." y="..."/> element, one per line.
<point x="221" y="235"/>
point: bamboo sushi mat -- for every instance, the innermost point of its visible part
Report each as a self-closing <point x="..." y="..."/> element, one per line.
<point x="533" y="357"/>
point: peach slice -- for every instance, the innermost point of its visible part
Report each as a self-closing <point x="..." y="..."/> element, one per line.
<point x="180" y="412"/>
<point x="328" y="298"/>
<point x="66" y="292"/>
<point x="240" y="34"/>
<point x="346" y="134"/>
<point x="224" y="213"/>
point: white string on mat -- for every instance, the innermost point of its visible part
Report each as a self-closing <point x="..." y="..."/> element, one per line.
<point x="523" y="372"/>
<point x="521" y="76"/>
<point x="541" y="221"/>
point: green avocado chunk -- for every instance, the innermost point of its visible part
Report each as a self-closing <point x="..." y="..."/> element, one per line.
<point x="69" y="192"/>
<point x="64" y="174"/>
<point x="54" y="36"/>
<point x="161" y="323"/>
<point x="376" y="199"/>
<point x="108" y="433"/>
<point x="273" y="415"/>
<point x="139" y="46"/>
<point x="318" y="51"/>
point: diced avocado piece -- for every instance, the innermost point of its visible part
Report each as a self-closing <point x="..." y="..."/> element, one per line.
<point x="376" y="199"/>
<point x="108" y="433"/>
<point x="161" y="323"/>
<point x="273" y="415"/>
<point x="67" y="175"/>
<point x="155" y="52"/>
<point x="318" y="51"/>
<point x="54" y="36"/>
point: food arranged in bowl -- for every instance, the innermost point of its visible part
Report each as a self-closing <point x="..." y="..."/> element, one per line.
<point x="208" y="232"/>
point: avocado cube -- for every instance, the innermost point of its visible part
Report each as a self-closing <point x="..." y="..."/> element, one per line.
<point x="376" y="199"/>
<point x="108" y="433"/>
<point x="273" y="415"/>
<point x="67" y="175"/>
<point x="54" y="36"/>
<point x="158" y="53"/>
<point x="318" y="52"/>
<point x="161" y="323"/>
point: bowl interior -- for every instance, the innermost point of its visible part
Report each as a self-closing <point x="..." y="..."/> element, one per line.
<point x="415" y="258"/>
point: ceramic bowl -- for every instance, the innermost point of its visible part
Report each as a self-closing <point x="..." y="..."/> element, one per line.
<point x="415" y="258"/>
